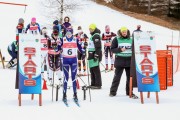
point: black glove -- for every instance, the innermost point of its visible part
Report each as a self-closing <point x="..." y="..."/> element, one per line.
<point x="96" y="57"/>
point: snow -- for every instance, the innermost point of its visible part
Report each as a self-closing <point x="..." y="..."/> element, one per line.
<point x="102" y="106"/>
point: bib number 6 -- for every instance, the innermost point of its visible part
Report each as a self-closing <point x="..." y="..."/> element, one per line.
<point x="69" y="52"/>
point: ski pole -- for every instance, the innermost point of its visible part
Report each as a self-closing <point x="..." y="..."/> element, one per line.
<point x="88" y="80"/>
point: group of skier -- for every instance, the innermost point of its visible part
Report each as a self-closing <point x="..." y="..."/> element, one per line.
<point x="66" y="53"/>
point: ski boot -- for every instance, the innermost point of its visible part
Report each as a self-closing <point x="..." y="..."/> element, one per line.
<point x="64" y="99"/>
<point x="112" y="67"/>
<point x="106" y="67"/>
<point x="75" y="97"/>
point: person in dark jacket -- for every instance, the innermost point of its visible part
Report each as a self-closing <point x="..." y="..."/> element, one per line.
<point x="12" y="50"/>
<point x="133" y="62"/>
<point x="121" y="46"/>
<point x="95" y="56"/>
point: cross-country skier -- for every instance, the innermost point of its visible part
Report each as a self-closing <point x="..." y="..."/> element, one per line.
<point x="12" y="50"/>
<point x="121" y="46"/>
<point x="33" y="27"/>
<point x="69" y="45"/>
<point x="45" y="40"/>
<point x="95" y="56"/>
<point x="19" y="28"/>
<point x="83" y="40"/>
<point x="54" y="60"/>
<point x="107" y="38"/>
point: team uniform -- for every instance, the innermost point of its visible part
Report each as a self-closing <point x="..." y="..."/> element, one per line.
<point x="69" y="46"/>
<point x="34" y="29"/>
<point x="107" y="38"/>
<point x="54" y="59"/>
<point x="82" y="56"/>
<point x="44" y="52"/>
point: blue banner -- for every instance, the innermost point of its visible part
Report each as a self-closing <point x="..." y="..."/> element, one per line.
<point x="146" y="62"/>
<point x="29" y="64"/>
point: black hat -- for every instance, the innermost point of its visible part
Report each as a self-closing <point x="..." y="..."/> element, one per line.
<point x="56" y="22"/>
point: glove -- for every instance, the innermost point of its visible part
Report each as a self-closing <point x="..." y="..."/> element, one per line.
<point x="96" y="56"/>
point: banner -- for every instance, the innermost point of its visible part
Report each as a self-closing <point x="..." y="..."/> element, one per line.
<point x="29" y="64"/>
<point x="146" y="62"/>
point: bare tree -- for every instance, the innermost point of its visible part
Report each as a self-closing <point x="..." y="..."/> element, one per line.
<point x="149" y="7"/>
<point x="56" y="8"/>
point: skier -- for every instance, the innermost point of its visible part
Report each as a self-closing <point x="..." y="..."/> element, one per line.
<point x="45" y="39"/>
<point x="54" y="60"/>
<point x="19" y="28"/>
<point x="33" y="27"/>
<point x="95" y="56"/>
<point x="121" y="46"/>
<point x="69" y="45"/>
<point x="107" y="38"/>
<point x="61" y="28"/>
<point x="83" y="39"/>
<point x="12" y="50"/>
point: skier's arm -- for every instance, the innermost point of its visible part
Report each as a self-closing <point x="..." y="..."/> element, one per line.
<point x="97" y="44"/>
<point x="60" y="45"/>
<point x="79" y="46"/>
<point x="114" y="46"/>
<point x="113" y="34"/>
<point x="39" y="27"/>
<point x="27" y="28"/>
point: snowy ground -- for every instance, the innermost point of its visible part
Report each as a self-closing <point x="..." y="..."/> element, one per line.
<point x="102" y="106"/>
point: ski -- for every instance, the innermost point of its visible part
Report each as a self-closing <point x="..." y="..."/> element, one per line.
<point x="65" y="102"/>
<point x="76" y="102"/>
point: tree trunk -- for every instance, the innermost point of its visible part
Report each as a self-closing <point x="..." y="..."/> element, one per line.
<point x="62" y="10"/>
<point x="149" y="7"/>
<point x="126" y="4"/>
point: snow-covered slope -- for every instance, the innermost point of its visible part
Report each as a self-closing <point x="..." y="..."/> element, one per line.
<point x="102" y="106"/>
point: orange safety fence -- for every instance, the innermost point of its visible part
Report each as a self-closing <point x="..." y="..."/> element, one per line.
<point x="165" y="68"/>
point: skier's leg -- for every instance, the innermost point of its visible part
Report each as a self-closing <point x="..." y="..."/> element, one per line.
<point x="84" y="63"/>
<point x="106" y="56"/>
<point x="74" y="73"/>
<point x="116" y="80"/>
<point x="79" y="62"/>
<point x="112" y="60"/>
<point x="66" y="76"/>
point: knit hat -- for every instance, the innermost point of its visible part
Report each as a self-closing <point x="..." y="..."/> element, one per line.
<point x="56" y="22"/>
<point x="33" y="19"/>
<point x="21" y="20"/>
<point x="92" y="26"/>
<point x="122" y="29"/>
